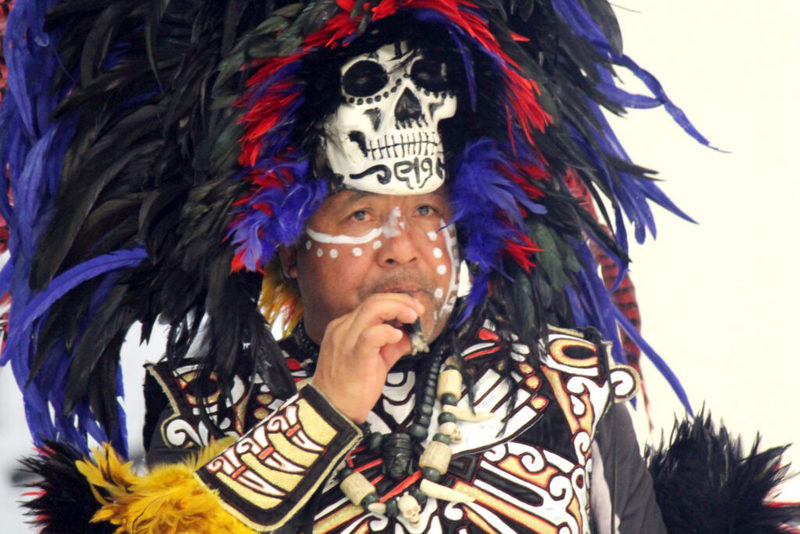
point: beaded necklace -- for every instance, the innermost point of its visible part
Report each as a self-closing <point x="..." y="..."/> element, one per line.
<point x="407" y="499"/>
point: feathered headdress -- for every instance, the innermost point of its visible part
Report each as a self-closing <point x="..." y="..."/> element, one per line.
<point x="159" y="152"/>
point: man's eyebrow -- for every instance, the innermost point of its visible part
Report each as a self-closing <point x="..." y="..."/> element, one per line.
<point x="353" y="196"/>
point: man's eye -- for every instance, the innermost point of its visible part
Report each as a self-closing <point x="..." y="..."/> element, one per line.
<point x="359" y="216"/>
<point x="426" y="210"/>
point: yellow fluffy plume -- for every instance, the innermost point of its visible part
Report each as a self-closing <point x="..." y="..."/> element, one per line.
<point x="166" y="500"/>
<point x="279" y="302"/>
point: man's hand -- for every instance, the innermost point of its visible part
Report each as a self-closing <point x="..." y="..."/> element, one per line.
<point x="358" y="350"/>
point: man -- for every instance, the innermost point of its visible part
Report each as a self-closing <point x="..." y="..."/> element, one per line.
<point x="356" y="304"/>
<point x="399" y="171"/>
<point x="376" y="259"/>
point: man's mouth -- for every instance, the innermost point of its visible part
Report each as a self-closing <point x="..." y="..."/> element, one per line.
<point x="408" y="289"/>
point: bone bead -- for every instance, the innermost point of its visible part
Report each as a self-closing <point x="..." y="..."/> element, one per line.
<point x="449" y="382"/>
<point x="463" y="414"/>
<point x="410" y="508"/>
<point x="452" y="361"/>
<point x="356" y="487"/>
<point x="436" y="455"/>
<point x="452" y="431"/>
<point x="437" y="491"/>
<point x="377" y="508"/>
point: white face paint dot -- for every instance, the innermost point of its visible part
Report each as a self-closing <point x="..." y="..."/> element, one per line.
<point x="357" y="251"/>
<point x="376" y="245"/>
<point x="308" y="245"/>
<point x="437" y="252"/>
<point x="432" y="235"/>
<point x="438" y="293"/>
<point x="334" y="253"/>
<point x="319" y="252"/>
<point x="441" y="269"/>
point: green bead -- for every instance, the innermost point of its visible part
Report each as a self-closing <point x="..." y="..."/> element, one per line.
<point x="374" y="441"/>
<point x="449" y="398"/>
<point x="426" y="409"/>
<point x="447" y="417"/>
<point x="431" y="474"/>
<point x="424" y="420"/>
<point x="368" y="499"/>
<point x="420" y="497"/>
<point x="418" y="432"/>
<point x="391" y="508"/>
<point x="442" y="438"/>
<point x="345" y="472"/>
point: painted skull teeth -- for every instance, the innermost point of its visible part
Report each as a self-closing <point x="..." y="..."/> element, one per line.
<point x="403" y="145"/>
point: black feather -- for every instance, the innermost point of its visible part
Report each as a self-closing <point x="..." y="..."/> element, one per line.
<point x="154" y="13"/>
<point x="706" y="484"/>
<point x="63" y="502"/>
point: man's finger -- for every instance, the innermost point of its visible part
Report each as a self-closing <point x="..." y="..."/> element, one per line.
<point x="376" y="337"/>
<point x="387" y="307"/>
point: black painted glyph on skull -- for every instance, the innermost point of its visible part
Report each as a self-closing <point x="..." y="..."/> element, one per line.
<point x="384" y="138"/>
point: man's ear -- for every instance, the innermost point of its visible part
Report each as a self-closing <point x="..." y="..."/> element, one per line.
<point x="288" y="259"/>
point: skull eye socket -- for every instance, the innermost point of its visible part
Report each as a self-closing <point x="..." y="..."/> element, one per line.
<point x="364" y="78"/>
<point x="430" y="74"/>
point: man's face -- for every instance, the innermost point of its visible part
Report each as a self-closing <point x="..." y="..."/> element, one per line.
<point x="358" y="244"/>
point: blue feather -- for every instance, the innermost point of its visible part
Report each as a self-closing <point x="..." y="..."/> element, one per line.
<point x="68" y="280"/>
<point x="653" y="356"/>
<point x="485" y="208"/>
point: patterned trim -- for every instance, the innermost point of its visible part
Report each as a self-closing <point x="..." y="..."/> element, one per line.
<point x="271" y="472"/>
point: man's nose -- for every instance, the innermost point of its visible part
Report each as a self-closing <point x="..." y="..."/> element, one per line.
<point x="397" y="248"/>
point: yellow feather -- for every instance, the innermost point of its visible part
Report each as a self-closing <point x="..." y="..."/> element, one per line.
<point x="279" y="300"/>
<point x="168" y="499"/>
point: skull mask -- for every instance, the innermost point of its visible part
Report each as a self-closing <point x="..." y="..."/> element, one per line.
<point x="384" y="137"/>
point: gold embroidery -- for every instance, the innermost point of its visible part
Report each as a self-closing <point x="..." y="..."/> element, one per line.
<point x="338" y="518"/>
<point x="479" y="522"/>
<point x="557" y="352"/>
<point x="318" y="429"/>
<point x="541" y="478"/>
<point x="245" y="492"/>
<point x="535" y="523"/>
<point x="554" y="377"/>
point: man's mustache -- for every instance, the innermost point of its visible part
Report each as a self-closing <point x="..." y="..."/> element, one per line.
<point x="402" y="281"/>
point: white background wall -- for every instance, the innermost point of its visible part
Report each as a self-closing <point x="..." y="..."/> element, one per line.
<point x="718" y="298"/>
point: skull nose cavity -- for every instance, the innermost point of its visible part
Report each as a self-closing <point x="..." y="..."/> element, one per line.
<point x="361" y="140"/>
<point x="408" y="108"/>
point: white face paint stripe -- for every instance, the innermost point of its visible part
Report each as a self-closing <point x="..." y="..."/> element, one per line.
<point x="394" y="224"/>
<point x="319" y="237"/>
<point x="437" y="253"/>
<point x="451" y="245"/>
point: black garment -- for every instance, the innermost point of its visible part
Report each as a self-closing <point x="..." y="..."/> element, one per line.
<point x="533" y="477"/>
